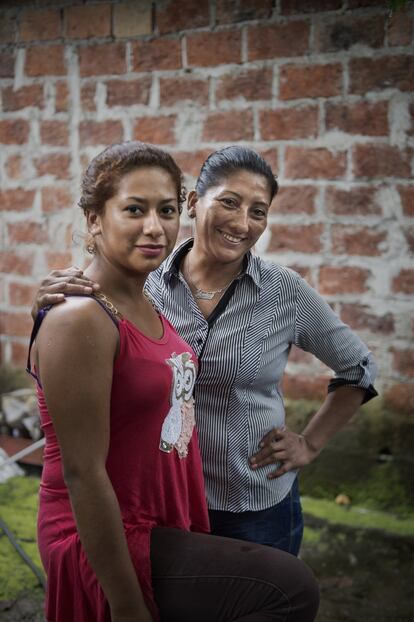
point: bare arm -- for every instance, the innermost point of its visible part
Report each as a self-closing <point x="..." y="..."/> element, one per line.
<point x="53" y="288"/>
<point x="75" y="351"/>
<point x="297" y="450"/>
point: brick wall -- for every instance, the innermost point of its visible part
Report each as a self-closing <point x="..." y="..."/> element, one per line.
<point x="324" y="89"/>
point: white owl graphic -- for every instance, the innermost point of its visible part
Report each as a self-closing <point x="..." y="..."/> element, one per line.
<point x="178" y="425"/>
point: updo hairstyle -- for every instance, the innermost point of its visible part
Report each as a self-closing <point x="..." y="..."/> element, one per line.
<point x="222" y="163"/>
<point x="101" y="179"/>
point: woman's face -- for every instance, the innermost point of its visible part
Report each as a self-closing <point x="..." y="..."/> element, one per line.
<point x="231" y="216"/>
<point x="138" y="226"/>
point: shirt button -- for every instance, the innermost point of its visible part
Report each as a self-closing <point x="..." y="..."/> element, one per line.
<point x="199" y="341"/>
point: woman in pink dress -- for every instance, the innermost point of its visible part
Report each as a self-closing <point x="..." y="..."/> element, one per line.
<point x="123" y="517"/>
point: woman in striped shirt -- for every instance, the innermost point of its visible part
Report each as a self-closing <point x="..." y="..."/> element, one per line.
<point x="241" y="314"/>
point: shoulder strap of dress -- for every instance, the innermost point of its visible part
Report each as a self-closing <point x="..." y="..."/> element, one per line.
<point x="101" y="299"/>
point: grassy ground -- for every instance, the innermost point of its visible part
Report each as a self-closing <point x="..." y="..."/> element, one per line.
<point x="362" y="558"/>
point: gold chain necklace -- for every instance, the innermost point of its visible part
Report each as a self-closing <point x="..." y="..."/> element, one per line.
<point x="202" y="294"/>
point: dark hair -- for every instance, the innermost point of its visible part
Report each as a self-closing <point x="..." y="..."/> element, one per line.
<point x="104" y="172"/>
<point x="224" y="162"/>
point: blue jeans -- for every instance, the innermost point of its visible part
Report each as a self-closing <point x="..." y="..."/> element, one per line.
<point x="280" y="526"/>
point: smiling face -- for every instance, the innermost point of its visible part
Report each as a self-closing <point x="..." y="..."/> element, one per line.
<point x="231" y="216"/>
<point x="138" y="226"/>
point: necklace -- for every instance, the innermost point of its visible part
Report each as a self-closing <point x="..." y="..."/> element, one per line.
<point x="202" y="294"/>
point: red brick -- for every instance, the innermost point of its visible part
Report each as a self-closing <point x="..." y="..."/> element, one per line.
<point x="58" y="260"/>
<point x="378" y="161"/>
<point x="305" y="388"/>
<point x="403" y="283"/>
<point x="304" y="271"/>
<point x="87" y="96"/>
<point x="27" y="233"/>
<point x="272" y="158"/>
<point x="400" y="398"/>
<point x="205" y="49"/>
<point x="294" y="200"/>
<point x="18" y="200"/>
<point x="6" y="64"/>
<point x="342" y="33"/>
<point x="156" y="54"/>
<point x="289" y="123"/>
<point x="84" y="22"/>
<point x="403" y="361"/>
<point x="298" y="81"/>
<point x="21" y="295"/>
<point x="399" y="28"/>
<point x="173" y="90"/>
<point x="251" y="84"/>
<point x="107" y="58"/>
<point x="369" y="119"/>
<point x="55" y="199"/>
<point x="357" y="241"/>
<point x="411" y="109"/>
<point x="370" y="74"/>
<point x="409" y="237"/>
<point x="407" y="199"/>
<point x="8" y="28"/>
<point x="54" y="133"/>
<point x="297" y="238"/>
<point x="316" y="163"/>
<point x="14" y="263"/>
<point x="175" y="15"/>
<point x="17" y="324"/>
<point x="19" y="353"/>
<point x="342" y="280"/>
<point x="228" y="126"/>
<point x="14" y="131"/>
<point x="61" y="97"/>
<point x="14" y="166"/>
<point x="362" y="317"/>
<point x="45" y="61"/>
<point x="40" y="25"/>
<point x="356" y="201"/>
<point x="132" y="19"/>
<point x="100" y="132"/>
<point x="228" y="11"/>
<point x="157" y="130"/>
<point x="278" y="40"/>
<point x="57" y="164"/>
<point x="190" y="162"/>
<point x="22" y="98"/>
<point x="128" y="93"/>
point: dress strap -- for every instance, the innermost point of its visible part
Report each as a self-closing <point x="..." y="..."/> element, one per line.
<point x="101" y="299"/>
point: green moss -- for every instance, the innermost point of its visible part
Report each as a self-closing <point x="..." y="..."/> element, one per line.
<point x="358" y="517"/>
<point x="18" y="503"/>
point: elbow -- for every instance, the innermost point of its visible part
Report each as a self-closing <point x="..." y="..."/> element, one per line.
<point x="77" y="475"/>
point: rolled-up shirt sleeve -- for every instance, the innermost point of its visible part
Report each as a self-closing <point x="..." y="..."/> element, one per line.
<point x="320" y="331"/>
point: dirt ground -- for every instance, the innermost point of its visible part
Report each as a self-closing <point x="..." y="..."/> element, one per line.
<point x="364" y="575"/>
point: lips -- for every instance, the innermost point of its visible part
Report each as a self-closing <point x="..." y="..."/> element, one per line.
<point x="150" y="250"/>
<point x="233" y="239"/>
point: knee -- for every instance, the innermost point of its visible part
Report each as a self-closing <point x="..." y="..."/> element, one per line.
<point x="305" y="595"/>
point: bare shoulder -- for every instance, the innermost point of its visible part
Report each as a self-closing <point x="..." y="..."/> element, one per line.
<point x="79" y="317"/>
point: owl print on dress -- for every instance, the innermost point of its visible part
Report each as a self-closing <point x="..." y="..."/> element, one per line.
<point x="179" y="423"/>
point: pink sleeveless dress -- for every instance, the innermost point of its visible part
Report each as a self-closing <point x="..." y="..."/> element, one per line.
<point x="153" y="463"/>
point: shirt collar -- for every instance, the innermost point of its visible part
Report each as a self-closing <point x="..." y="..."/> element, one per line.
<point x="171" y="265"/>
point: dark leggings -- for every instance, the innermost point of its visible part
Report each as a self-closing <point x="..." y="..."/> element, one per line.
<point x="204" y="578"/>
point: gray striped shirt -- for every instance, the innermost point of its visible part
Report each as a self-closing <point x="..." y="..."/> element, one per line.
<point x="243" y="349"/>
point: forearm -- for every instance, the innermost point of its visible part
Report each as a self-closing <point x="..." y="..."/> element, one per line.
<point x="102" y="535"/>
<point x="338" y="408"/>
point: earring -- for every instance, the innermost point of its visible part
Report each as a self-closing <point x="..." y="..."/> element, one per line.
<point x="90" y="245"/>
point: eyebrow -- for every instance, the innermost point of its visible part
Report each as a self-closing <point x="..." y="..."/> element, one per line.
<point x="239" y="196"/>
<point x="139" y="199"/>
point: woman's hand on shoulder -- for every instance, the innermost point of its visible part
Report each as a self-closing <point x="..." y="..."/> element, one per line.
<point x="53" y="288"/>
<point x="284" y="447"/>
